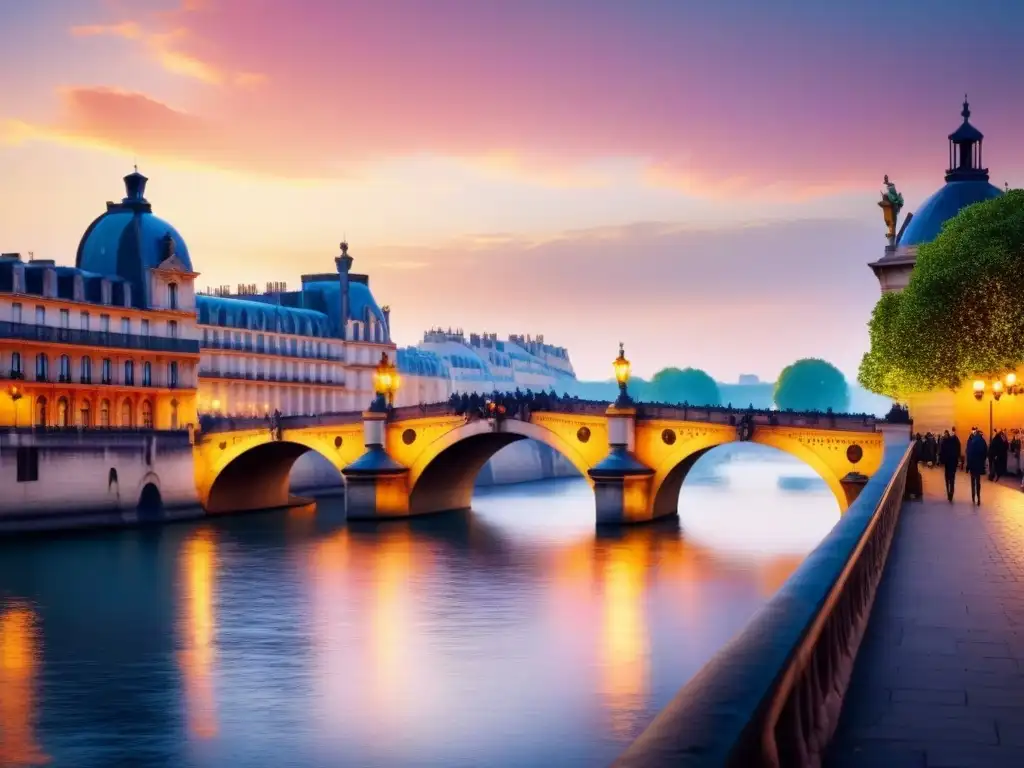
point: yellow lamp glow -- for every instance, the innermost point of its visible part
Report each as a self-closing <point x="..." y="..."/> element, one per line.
<point x="622" y="366"/>
<point x="216" y="405"/>
<point x="382" y="376"/>
<point x="997" y="389"/>
<point x="1011" y="379"/>
<point x="979" y="389"/>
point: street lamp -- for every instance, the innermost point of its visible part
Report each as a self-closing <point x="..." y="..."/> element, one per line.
<point x="385" y="384"/>
<point x="15" y="396"/>
<point x="622" y="367"/>
<point x="998" y="388"/>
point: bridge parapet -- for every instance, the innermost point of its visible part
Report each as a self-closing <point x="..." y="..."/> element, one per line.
<point x="772" y="696"/>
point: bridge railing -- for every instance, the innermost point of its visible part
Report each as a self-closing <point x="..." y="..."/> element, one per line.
<point x="772" y="696"/>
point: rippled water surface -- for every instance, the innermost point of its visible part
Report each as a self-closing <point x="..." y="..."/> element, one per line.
<point x="513" y="635"/>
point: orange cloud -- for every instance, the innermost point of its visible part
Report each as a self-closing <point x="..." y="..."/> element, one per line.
<point x="126" y="29"/>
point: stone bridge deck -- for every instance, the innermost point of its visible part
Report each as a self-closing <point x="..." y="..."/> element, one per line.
<point x="939" y="680"/>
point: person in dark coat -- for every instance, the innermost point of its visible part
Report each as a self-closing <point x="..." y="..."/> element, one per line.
<point x="949" y="458"/>
<point x="977" y="451"/>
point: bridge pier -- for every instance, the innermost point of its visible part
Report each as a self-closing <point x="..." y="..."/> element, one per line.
<point x="376" y="486"/>
<point x="622" y="484"/>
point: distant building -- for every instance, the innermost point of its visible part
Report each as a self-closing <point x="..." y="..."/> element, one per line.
<point x="749" y="378"/>
<point x="967" y="182"/>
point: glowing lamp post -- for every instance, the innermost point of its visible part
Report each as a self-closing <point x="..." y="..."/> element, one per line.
<point x="15" y="395"/>
<point x="622" y="368"/>
<point x="385" y="384"/>
<point x="998" y="388"/>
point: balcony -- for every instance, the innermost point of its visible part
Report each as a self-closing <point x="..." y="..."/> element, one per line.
<point x="48" y="334"/>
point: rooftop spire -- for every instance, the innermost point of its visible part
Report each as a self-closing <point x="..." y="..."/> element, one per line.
<point x="135" y="187"/>
<point x="965" y="113"/>
<point x="965" y="163"/>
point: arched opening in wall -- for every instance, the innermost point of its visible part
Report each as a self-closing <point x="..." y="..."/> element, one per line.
<point x="260" y="478"/>
<point x="750" y="499"/>
<point x="62" y="412"/>
<point x="447" y="480"/>
<point x="151" y="504"/>
<point x="525" y="461"/>
<point x="41" y="420"/>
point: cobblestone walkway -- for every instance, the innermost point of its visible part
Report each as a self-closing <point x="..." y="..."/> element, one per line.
<point x="939" y="680"/>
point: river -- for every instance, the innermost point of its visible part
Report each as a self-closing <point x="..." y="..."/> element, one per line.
<point x="512" y="635"/>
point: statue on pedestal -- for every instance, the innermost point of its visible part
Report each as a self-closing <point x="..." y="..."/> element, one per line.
<point x="891" y="205"/>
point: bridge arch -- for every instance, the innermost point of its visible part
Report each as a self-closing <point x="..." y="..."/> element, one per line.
<point x="673" y="469"/>
<point x="442" y="477"/>
<point x="256" y="475"/>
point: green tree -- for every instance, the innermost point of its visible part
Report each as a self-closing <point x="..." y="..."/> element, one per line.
<point x="812" y="384"/>
<point x="961" y="315"/>
<point x="689" y="385"/>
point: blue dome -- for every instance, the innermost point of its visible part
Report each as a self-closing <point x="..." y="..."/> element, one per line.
<point x="943" y="206"/>
<point x="128" y="239"/>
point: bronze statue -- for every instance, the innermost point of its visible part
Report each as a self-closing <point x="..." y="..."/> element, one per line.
<point x="891" y="205"/>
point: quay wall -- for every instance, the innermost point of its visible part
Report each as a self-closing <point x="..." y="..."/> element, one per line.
<point x="69" y="478"/>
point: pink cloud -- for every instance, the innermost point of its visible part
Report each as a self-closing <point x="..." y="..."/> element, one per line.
<point x="334" y="85"/>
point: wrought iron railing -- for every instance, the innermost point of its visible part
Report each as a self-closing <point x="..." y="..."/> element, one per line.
<point x="46" y="333"/>
<point x="772" y="696"/>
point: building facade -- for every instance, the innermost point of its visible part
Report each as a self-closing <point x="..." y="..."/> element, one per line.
<point x="967" y="182"/>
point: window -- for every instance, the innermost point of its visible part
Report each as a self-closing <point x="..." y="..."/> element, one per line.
<point x="105" y="413"/>
<point x="129" y="373"/>
<point x="62" y="412"/>
<point x="65" y="319"/>
<point x="86" y="414"/>
<point x="174" y="414"/>
<point x="85" y="370"/>
<point x="85" y="321"/>
<point x="172" y="329"/>
<point x="259" y="342"/>
<point x="65" y="368"/>
<point x="172" y="374"/>
<point x="147" y="374"/>
<point x="105" y="372"/>
<point x="172" y="296"/>
<point x="42" y="367"/>
<point x="16" y="313"/>
<point x="40" y="315"/>
<point x="126" y="326"/>
<point x="28" y="465"/>
<point x="147" y="414"/>
<point x="16" y="371"/>
<point x="105" y="323"/>
<point x="126" y="413"/>
<point x="40" y="411"/>
<point x="145" y="327"/>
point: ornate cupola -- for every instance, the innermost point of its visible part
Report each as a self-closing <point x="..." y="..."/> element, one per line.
<point x="965" y="151"/>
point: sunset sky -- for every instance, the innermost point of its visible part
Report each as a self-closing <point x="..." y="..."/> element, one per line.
<point x="695" y="179"/>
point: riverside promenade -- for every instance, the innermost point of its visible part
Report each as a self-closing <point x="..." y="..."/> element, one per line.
<point x="939" y="680"/>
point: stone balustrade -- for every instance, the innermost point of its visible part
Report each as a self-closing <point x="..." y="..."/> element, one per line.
<point x="772" y="696"/>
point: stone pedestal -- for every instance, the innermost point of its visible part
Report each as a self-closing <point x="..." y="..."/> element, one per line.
<point x="853" y="483"/>
<point x="376" y="486"/>
<point x="622" y="484"/>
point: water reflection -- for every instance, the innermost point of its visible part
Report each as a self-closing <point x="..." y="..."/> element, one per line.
<point x="19" y="650"/>
<point x="511" y="635"/>
<point x="623" y="568"/>
<point x="197" y="628"/>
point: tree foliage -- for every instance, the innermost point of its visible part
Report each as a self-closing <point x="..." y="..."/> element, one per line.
<point x="812" y="384"/>
<point x="961" y="316"/>
<point x="689" y="385"/>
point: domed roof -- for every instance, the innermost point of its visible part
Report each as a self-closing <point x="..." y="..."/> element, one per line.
<point x="943" y="206"/>
<point x="128" y="238"/>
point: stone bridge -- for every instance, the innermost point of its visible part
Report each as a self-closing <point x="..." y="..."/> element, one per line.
<point x="424" y="459"/>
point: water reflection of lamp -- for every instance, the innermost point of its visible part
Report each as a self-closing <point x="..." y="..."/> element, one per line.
<point x="198" y="625"/>
<point x="19" y="650"/>
<point x="624" y="648"/>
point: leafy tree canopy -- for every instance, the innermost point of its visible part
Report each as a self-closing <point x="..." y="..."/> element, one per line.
<point x="689" y="385"/>
<point x="961" y="316"/>
<point x="812" y="385"/>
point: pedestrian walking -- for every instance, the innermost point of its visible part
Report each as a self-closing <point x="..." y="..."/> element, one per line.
<point x="977" y="452"/>
<point x="949" y="457"/>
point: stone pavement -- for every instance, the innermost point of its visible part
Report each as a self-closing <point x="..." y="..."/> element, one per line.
<point x="939" y="680"/>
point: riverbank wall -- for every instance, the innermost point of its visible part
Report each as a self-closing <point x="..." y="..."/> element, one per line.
<point x="53" y="479"/>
